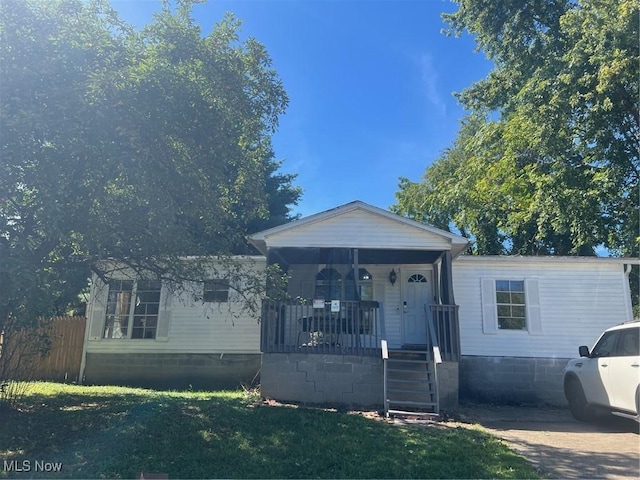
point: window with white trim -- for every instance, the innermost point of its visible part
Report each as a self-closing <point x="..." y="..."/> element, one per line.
<point x="216" y="290"/>
<point x="510" y="300"/>
<point x="132" y="309"/>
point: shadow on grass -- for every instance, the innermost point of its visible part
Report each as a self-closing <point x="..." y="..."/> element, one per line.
<point x="118" y="436"/>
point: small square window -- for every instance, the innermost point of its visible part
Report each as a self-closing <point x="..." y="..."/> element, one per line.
<point x="216" y="290"/>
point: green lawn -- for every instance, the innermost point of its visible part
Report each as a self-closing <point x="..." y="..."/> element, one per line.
<point x="112" y="432"/>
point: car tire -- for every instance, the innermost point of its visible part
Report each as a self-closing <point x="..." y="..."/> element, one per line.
<point x="578" y="405"/>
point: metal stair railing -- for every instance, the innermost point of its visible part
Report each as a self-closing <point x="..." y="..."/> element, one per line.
<point x="398" y="399"/>
<point x="437" y="358"/>
<point x="433" y="390"/>
<point x="413" y="392"/>
<point x="385" y="358"/>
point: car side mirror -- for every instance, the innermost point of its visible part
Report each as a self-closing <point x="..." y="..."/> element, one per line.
<point x="583" y="350"/>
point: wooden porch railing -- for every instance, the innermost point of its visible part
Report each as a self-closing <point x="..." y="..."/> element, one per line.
<point x="447" y="330"/>
<point x="353" y="328"/>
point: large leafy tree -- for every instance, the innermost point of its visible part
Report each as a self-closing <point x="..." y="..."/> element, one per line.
<point x="547" y="161"/>
<point x="145" y="146"/>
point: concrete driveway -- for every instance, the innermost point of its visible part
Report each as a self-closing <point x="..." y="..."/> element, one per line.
<point x="559" y="446"/>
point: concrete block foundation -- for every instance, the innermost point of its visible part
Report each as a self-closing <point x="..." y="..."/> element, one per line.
<point x="172" y="370"/>
<point x="512" y="380"/>
<point x="448" y="385"/>
<point x="323" y="379"/>
<point x="352" y="381"/>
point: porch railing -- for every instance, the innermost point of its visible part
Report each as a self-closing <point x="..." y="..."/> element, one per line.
<point x="445" y="319"/>
<point x="347" y="328"/>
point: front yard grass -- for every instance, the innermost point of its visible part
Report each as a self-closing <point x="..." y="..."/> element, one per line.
<point x="113" y="432"/>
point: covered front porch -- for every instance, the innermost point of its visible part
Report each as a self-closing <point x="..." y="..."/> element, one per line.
<point x="329" y="309"/>
<point x="354" y="295"/>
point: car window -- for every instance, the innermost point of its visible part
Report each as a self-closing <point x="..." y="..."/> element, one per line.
<point x="605" y="347"/>
<point x="628" y="343"/>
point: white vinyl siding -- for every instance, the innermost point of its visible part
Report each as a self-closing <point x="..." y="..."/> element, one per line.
<point x="359" y="229"/>
<point x="569" y="302"/>
<point x="186" y="325"/>
<point x="389" y="296"/>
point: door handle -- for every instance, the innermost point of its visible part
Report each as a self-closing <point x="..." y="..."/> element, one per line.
<point x="636" y="365"/>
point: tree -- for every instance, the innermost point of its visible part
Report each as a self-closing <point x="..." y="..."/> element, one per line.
<point x="144" y="146"/>
<point x="547" y="162"/>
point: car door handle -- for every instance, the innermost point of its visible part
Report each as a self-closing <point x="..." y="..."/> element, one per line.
<point x="635" y="365"/>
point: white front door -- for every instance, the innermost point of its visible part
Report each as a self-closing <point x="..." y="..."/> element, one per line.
<point x="416" y="293"/>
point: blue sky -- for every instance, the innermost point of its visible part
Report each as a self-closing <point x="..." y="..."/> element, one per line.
<point x="370" y="87"/>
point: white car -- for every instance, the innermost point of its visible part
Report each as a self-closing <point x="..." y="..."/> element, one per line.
<point x="608" y="376"/>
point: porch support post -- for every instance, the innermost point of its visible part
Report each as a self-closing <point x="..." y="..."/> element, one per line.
<point x="437" y="280"/>
<point x="356" y="272"/>
<point x="447" y="279"/>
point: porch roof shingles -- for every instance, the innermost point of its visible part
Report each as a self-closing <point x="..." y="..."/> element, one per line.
<point x="359" y="225"/>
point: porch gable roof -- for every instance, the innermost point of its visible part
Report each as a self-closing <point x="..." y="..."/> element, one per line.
<point x="359" y="225"/>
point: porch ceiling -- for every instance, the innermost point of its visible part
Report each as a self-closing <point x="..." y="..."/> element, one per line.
<point x="366" y="256"/>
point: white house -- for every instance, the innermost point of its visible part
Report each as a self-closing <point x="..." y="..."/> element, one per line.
<point x="502" y="327"/>
<point x="566" y="302"/>
<point x="145" y="332"/>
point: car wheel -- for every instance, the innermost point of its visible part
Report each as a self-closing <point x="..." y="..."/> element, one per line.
<point x="577" y="402"/>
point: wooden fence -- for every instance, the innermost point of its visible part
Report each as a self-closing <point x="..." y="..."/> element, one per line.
<point x="19" y="355"/>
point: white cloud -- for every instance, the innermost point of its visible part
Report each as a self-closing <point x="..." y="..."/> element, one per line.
<point x="430" y="83"/>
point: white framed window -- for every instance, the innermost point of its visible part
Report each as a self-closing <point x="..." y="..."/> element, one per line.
<point x="216" y="290"/>
<point x="132" y="309"/>
<point x="511" y="305"/>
